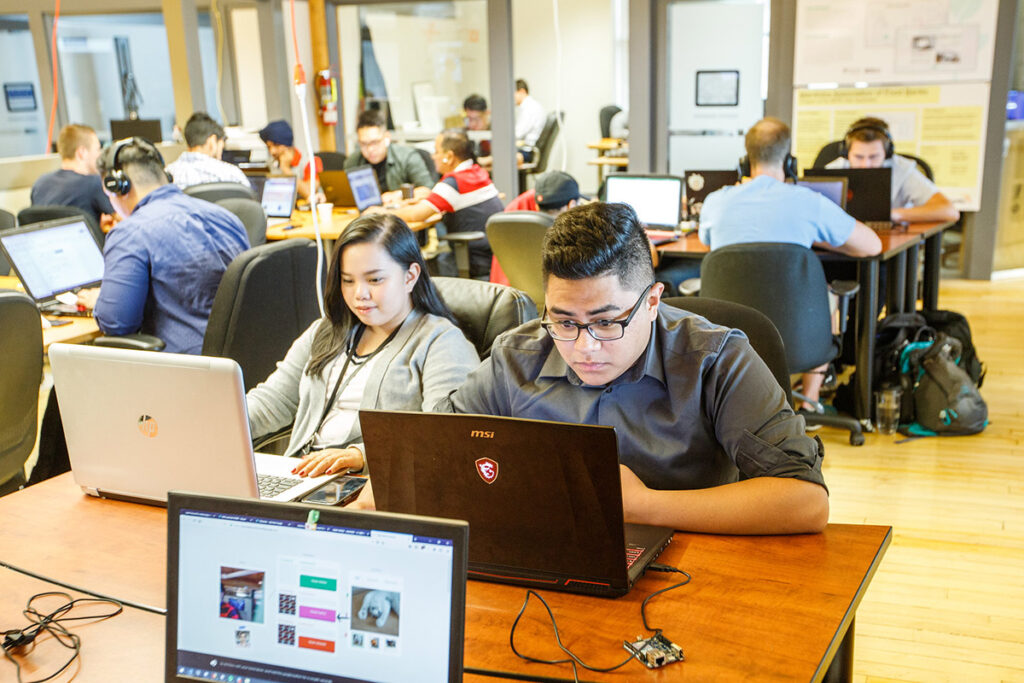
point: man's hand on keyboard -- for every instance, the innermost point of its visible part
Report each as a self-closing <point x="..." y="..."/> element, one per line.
<point x="87" y="297"/>
<point x="329" y="461"/>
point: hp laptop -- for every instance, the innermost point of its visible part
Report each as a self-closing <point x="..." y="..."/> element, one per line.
<point x="868" y="193"/>
<point x="277" y="196"/>
<point x="699" y="184"/>
<point x="833" y="188"/>
<point x="365" y="190"/>
<point x="336" y="188"/>
<point x="141" y="423"/>
<point x="54" y="257"/>
<point x="544" y="499"/>
<point x="657" y="200"/>
<point x="260" y="592"/>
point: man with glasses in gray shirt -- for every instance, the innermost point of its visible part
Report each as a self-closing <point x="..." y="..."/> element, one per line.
<point x="706" y="439"/>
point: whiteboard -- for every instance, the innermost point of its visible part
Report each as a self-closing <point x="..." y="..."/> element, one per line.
<point x="882" y="42"/>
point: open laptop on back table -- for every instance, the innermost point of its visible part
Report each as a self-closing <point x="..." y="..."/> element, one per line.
<point x="277" y="196"/>
<point x="53" y="258"/>
<point x="543" y="499"/>
<point x="868" y="193"/>
<point x="657" y="199"/>
<point x="256" y="592"/>
<point x="699" y="184"/>
<point x="140" y="423"/>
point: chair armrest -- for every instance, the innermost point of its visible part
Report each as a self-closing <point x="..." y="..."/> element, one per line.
<point x="261" y="444"/>
<point x="845" y="290"/>
<point x="462" y="236"/>
<point x="138" y="342"/>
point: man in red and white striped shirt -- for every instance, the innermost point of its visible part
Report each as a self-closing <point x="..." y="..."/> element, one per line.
<point x="465" y="195"/>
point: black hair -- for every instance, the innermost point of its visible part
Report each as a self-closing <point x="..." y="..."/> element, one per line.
<point x="456" y="141"/>
<point x="199" y="127"/>
<point x="372" y="118"/>
<point x="597" y="239"/>
<point x="475" y="102"/>
<point x="521" y="85"/>
<point x="768" y="142"/>
<point x="391" y="232"/>
<point x="139" y="159"/>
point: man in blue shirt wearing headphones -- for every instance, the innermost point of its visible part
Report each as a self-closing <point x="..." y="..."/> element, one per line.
<point x="162" y="263"/>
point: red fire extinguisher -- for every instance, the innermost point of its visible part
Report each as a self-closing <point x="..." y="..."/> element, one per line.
<point x="327" y="91"/>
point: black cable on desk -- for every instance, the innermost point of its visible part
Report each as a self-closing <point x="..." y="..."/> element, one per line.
<point x="137" y="605"/>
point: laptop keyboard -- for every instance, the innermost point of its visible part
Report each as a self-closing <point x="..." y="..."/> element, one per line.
<point x="633" y="553"/>
<point x="271" y="485"/>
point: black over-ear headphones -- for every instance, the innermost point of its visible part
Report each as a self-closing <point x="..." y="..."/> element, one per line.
<point x="116" y="181"/>
<point x="876" y="125"/>
<point x="789" y="167"/>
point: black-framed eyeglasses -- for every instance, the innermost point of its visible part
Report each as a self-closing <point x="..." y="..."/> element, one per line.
<point x="601" y="330"/>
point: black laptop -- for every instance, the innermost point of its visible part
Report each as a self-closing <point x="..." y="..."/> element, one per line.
<point x="543" y="499"/>
<point x="868" y="192"/>
<point x="260" y="592"/>
<point x="699" y="184"/>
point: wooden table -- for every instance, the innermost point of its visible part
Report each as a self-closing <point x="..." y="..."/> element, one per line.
<point x="603" y="146"/>
<point x="302" y="225"/>
<point x="778" y="606"/>
<point x="78" y="330"/>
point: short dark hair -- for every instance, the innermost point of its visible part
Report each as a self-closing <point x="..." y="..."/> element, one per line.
<point x="372" y="118"/>
<point x="868" y="129"/>
<point x="521" y="85"/>
<point x="598" y="239"/>
<point x="71" y="137"/>
<point x="199" y="127"/>
<point x="768" y="142"/>
<point x="456" y="141"/>
<point x="475" y="102"/>
<point x="336" y="329"/>
<point x="139" y="159"/>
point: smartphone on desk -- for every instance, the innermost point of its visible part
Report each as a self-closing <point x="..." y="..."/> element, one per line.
<point x="340" y="491"/>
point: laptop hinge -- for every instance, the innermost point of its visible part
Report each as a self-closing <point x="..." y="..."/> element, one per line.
<point x="88" y="490"/>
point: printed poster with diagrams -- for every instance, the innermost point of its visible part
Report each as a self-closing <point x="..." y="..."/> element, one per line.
<point x="882" y="42"/>
<point x="943" y="124"/>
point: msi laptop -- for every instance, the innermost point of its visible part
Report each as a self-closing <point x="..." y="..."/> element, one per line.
<point x="260" y="592"/>
<point x="336" y="188"/>
<point x="140" y="423"/>
<point x="54" y="257"/>
<point x="277" y="196"/>
<point x="148" y="129"/>
<point x="543" y="499"/>
<point x="365" y="190"/>
<point x="657" y="200"/>
<point x="832" y="188"/>
<point x="868" y="193"/>
<point x="699" y="184"/>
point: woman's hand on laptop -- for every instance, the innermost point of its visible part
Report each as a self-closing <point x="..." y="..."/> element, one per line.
<point x="329" y="461"/>
<point x="87" y="297"/>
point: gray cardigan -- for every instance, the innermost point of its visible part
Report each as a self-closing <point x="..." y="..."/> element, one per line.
<point x="428" y="359"/>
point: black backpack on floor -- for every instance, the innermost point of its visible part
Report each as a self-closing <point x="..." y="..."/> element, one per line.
<point x="955" y="325"/>
<point x="945" y="399"/>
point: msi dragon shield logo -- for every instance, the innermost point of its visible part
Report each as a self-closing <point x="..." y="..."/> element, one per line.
<point x="147" y="425"/>
<point x="487" y="469"/>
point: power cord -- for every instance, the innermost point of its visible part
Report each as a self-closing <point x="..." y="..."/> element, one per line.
<point x="52" y="623"/>
<point x="572" y="658"/>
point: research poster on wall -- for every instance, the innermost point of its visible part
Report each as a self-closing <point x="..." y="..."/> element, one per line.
<point x="881" y="42"/>
<point x="943" y="124"/>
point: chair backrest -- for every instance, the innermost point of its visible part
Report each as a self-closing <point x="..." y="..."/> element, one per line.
<point x="604" y="118"/>
<point x="922" y="164"/>
<point x="428" y="159"/>
<point x="332" y="161"/>
<point x="252" y="215"/>
<point x="484" y="309"/>
<point x="828" y="153"/>
<point x="7" y="220"/>
<point x="786" y="283"/>
<point x="265" y="300"/>
<point x="516" y="238"/>
<point x="213" y="192"/>
<point x="38" y="214"/>
<point x="546" y="139"/>
<point x="21" y="346"/>
<point x="763" y="335"/>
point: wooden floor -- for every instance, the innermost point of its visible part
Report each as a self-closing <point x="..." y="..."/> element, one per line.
<point x="948" y="601"/>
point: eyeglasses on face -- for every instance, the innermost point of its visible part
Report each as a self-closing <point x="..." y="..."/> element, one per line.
<point x="601" y="330"/>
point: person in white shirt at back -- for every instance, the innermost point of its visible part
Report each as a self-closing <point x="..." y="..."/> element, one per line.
<point x="530" y="117"/>
<point x="201" y="163"/>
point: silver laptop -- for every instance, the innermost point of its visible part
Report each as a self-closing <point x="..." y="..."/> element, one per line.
<point x="657" y="199"/>
<point x="278" y="196"/>
<point x="365" y="190"/>
<point x="141" y="423"/>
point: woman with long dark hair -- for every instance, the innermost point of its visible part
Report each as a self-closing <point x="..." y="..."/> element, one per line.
<point x="387" y="341"/>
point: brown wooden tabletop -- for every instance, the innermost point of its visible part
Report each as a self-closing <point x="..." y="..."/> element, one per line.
<point x="75" y="330"/>
<point x="302" y="225"/>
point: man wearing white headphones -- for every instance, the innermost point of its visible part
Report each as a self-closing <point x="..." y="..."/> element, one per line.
<point x="162" y="263"/>
<point x="869" y="144"/>
<point x="394" y="165"/>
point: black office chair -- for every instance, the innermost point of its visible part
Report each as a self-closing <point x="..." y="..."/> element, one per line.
<point x="7" y="220"/>
<point x="516" y="238"/>
<point x="21" y="346"/>
<point x="428" y="159"/>
<point x="266" y="299"/>
<point x="546" y="141"/>
<point x="332" y="161"/>
<point x="38" y="214"/>
<point x="605" y="117"/>
<point x="763" y="336"/>
<point x="830" y="153"/>
<point x="787" y="284"/>
<point x="484" y="309"/>
<point x="252" y="215"/>
<point x="213" y="192"/>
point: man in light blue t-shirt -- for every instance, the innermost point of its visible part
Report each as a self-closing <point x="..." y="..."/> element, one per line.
<point x="765" y="208"/>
